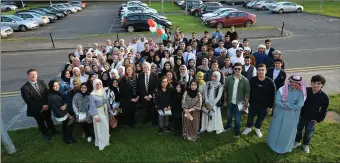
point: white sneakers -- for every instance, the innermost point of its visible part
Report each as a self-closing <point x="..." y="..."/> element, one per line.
<point x="258" y="132"/>
<point x="246" y="131"/>
<point x="89" y="139"/>
<point x="306" y="148"/>
<point x="296" y="144"/>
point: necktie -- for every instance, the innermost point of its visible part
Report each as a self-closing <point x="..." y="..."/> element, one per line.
<point x="147" y="83"/>
<point x="37" y="88"/>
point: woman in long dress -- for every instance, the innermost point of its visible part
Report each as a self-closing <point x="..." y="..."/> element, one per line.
<point x="99" y="112"/>
<point x="211" y="116"/>
<point x="289" y="100"/>
<point x="192" y="103"/>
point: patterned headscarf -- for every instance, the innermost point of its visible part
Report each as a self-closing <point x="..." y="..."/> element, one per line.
<point x="302" y="87"/>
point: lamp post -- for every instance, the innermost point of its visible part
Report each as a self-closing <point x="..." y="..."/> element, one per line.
<point x="6" y="140"/>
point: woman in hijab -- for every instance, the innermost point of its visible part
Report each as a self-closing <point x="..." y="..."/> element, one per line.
<point x="58" y="104"/>
<point x="211" y="117"/>
<point x="105" y="78"/>
<point x="81" y="106"/>
<point x="289" y="100"/>
<point x="191" y="64"/>
<point x="192" y="73"/>
<point x="183" y="75"/>
<point x="65" y="82"/>
<point x="114" y="98"/>
<point x="177" y="65"/>
<point x="77" y="75"/>
<point x="201" y="83"/>
<point x="176" y="108"/>
<point x="192" y="104"/>
<point x="89" y="82"/>
<point x="99" y="112"/>
<point x="121" y="71"/>
<point x="205" y="66"/>
<point x="76" y="62"/>
<point x="128" y="83"/>
<point x="79" y="52"/>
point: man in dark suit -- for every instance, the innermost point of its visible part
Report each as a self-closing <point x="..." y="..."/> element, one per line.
<point x="183" y="39"/>
<point x="277" y="74"/>
<point x="193" y="38"/>
<point x="35" y="94"/>
<point x="269" y="50"/>
<point x="146" y="85"/>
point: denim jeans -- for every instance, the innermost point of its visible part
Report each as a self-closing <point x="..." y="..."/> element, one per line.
<point x="309" y="130"/>
<point x="260" y="112"/>
<point x="232" y="110"/>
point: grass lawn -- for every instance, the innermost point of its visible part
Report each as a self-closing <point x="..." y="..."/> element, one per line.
<point x="167" y="7"/>
<point x="335" y="103"/>
<point x="330" y="8"/>
<point x="30" y="5"/>
<point x="146" y="145"/>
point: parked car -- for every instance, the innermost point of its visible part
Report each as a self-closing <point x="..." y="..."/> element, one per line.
<point x="56" y="13"/>
<point x="6" y="31"/>
<point x="140" y="22"/>
<point x="19" y="4"/>
<point x="190" y="4"/>
<point x="208" y="9"/>
<point x="136" y="9"/>
<point x="70" y="6"/>
<point x="134" y="3"/>
<point x="180" y="2"/>
<point x="5" y="7"/>
<point x="142" y="13"/>
<point x="235" y="2"/>
<point x="78" y="3"/>
<point x="236" y="18"/>
<point x="251" y="4"/>
<point x="17" y="23"/>
<point x="51" y="18"/>
<point x="264" y="5"/>
<point x="56" y="10"/>
<point x="246" y="2"/>
<point x="41" y="20"/>
<point x="282" y="7"/>
<point x="216" y="13"/>
<point x="197" y="11"/>
<point x="64" y="8"/>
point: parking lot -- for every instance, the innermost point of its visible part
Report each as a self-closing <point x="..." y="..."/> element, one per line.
<point x="97" y="18"/>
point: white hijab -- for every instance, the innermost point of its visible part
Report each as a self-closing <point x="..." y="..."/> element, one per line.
<point x="97" y="92"/>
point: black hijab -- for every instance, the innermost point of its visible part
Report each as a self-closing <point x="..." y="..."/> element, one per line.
<point x="106" y="82"/>
<point x="51" y="90"/>
<point x="115" y="90"/>
<point x="192" y="93"/>
<point x="87" y="91"/>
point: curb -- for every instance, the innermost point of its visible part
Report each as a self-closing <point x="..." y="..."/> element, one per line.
<point x="322" y="15"/>
<point x="286" y="34"/>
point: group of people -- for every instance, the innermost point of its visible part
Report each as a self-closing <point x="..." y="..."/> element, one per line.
<point x="182" y="85"/>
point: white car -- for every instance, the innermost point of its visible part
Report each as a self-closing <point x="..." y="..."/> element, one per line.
<point x="41" y="20"/>
<point x="251" y="4"/>
<point x="65" y="8"/>
<point x="179" y="3"/>
<point x="282" y="7"/>
<point x="6" y="31"/>
<point x="129" y="9"/>
<point x="17" y="23"/>
<point x="130" y="3"/>
<point x="71" y="6"/>
<point x="264" y="5"/>
<point x="216" y="13"/>
<point x="5" y="7"/>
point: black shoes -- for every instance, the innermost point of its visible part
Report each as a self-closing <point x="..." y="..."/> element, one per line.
<point x="167" y="129"/>
<point x="56" y="132"/>
<point x="47" y="138"/>
<point x="160" y="130"/>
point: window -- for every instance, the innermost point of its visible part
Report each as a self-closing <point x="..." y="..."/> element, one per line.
<point x="145" y="17"/>
<point x="6" y="19"/>
<point x="233" y="14"/>
<point x="286" y="4"/>
<point x="241" y="14"/>
<point x="135" y="17"/>
<point x="19" y="15"/>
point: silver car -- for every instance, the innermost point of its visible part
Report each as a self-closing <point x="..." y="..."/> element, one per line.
<point x="6" y="31"/>
<point x="41" y="20"/>
<point x="70" y="6"/>
<point x="65" y="8"/>
<point x="17" y="23"/>
<point x="6" y="7"/>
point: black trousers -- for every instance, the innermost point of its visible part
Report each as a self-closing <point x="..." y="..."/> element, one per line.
<point x="67" y="130"/>
<point x="129" y="112"/>
<point x="151" y="113"/>
<point x="260" y="112"/>
<point x="45" y="123"/>
<point x="177" y="123"/>
<point x="87" y="128"/>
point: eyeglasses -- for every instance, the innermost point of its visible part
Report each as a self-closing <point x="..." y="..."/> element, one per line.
<point x="237" y="69"/>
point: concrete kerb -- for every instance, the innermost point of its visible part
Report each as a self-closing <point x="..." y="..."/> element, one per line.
<point x="285" y="34"/>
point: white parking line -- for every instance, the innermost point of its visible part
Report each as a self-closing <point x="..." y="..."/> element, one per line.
<point x="112" y="25"/>
<point x="44" y="30"/>
<point x="316" y="49"/>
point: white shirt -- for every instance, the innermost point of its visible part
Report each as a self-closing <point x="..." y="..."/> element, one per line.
<point x="108" y="49"/>
<point x="276" y="73"/>
<point x="140" y="46"/>
<point x="170" y="49"/>
<point x="234" y="60"/>
<point x="267" y="51"/>
<point x="254" y="71"/>
<point x="187" y="56"/>
<point x="119" y="63"/>
<point x="232" y="52"/>
<point x="234" y="96"/>
<point x="134" y="47"/>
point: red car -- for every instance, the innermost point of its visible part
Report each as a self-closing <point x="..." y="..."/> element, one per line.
<point x="236" y="18"/>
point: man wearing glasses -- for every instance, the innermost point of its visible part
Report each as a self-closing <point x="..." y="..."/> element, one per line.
<point x="262" y="95"/>
<point x="236" y="96"/>
<point x="313" y="112"/>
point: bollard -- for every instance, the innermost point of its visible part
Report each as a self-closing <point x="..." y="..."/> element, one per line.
<point x="283" y="24"/>
<point x="6" y="140"/>
<point x="52" y="40"/>
<point x="117" y="35"/>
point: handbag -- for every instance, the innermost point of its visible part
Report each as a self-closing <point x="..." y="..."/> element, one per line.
<point x="113" y="121"/>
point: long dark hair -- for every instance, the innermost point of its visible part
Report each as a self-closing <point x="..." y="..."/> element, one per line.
<point x="182" y="85"/>
<point x="164" y="71"/>
<point x="50" y="86"/>
<point x="160" y="83"/>
<point x="63" y="76"/>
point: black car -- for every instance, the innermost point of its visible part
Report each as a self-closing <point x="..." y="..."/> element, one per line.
<point x="209" y="9"/>
<point x="59" y="15"/>
<point x="139" y="22"/>
<point x="143" y="13"/>
<point x="235" y="2"/>
<point x="16" y="3"/>
<point x="56" y="10"/>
